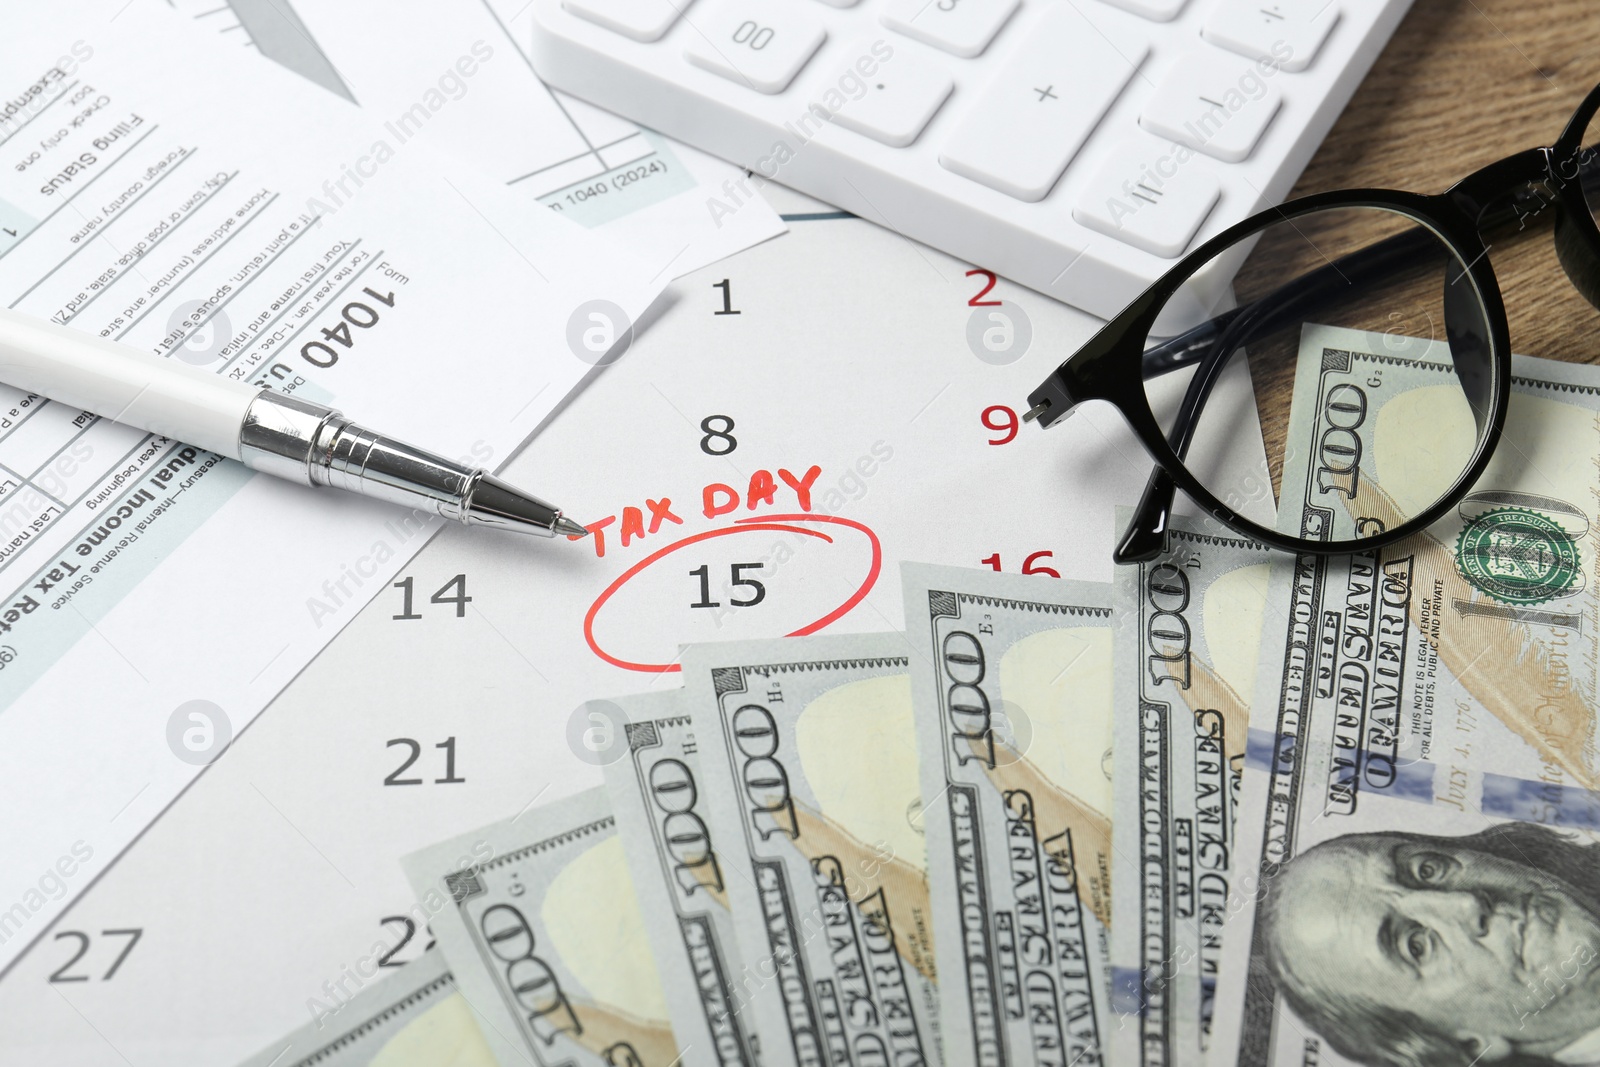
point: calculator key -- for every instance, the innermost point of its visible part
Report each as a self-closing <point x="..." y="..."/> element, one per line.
<point x="754" y="42"/>
<point x="1151" y="196"/>
<point x="1156" y="10"/>
<point x="1029" y="122"/>
<point x="1287" y="33"/>
<point x="961" y="27"/>
<point x="643" y="20"/>
<point x="899" y="97"/>
<point x="1216" y="102"/>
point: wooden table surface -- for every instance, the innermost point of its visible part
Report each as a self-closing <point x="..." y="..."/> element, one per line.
<point x="1461" y="84"/>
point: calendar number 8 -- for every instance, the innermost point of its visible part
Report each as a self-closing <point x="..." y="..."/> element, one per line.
<point x="718" y="440"/>
<point x="757" y="37"/>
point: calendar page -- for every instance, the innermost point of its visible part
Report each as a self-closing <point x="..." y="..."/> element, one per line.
<point x="789" y="426"/>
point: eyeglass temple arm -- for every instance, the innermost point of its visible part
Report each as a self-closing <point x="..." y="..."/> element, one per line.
<point x="1146" y="535"/>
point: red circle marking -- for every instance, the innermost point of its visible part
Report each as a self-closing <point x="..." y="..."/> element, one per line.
<point x="762" y="522"/>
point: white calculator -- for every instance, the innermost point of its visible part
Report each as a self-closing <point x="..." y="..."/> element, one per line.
<point x="1078" y="147"/>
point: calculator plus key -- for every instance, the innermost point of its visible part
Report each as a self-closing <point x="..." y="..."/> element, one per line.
<point x="1031" y="120"/>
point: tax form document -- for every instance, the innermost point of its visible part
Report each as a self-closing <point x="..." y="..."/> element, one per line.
<point x="153" y="597"/>
<point x="455" y="74"/>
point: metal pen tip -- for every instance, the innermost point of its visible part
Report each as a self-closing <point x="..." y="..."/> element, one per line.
<point x="492" y="502"/>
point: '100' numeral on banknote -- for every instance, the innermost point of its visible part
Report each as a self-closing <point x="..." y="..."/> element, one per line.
<point x="546" y="941"/>
<point x="1189" y="630"/>
<point x="656" y="794"/>
<point x="811" y="783"/>
<point x="1013" y="686"/>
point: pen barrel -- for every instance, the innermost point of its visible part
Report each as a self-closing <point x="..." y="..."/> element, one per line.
<point x="315" y="445"/>
<point x="123" y="383"/>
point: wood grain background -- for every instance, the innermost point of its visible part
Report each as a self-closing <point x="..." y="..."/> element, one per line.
<point x="1461" y="84"/>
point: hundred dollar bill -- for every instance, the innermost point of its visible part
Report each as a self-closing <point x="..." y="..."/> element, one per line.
<point x="1188" y="631"/>
<point x="538" y="919"/>
<point x="414" y="1016"/>
<point x="654" y="782"/>
<point x="810" y="779"/>
<point x="1422" y="824"/>
<point x="1012" y="685"/>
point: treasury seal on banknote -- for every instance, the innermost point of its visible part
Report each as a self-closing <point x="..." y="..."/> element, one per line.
<point x="1518" y="556"/>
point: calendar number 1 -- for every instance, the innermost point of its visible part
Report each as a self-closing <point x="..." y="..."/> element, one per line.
<point x="727" y="298"/>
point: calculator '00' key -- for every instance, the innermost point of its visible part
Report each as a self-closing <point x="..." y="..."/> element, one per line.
<point x="754" y="42"/>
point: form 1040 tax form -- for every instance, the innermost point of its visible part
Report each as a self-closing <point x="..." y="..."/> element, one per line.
<point x="155" y="191"/>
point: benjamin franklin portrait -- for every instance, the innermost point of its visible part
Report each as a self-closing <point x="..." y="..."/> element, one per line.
<point x="1408" y="950"/>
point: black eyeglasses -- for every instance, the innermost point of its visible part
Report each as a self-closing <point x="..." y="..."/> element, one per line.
<point x="1412" y="272"/>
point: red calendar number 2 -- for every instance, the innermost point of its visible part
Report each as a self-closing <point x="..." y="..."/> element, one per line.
<point x="979" y="301"/>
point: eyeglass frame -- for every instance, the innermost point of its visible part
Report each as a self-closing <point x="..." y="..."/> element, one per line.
<point x="1111" y="365"/>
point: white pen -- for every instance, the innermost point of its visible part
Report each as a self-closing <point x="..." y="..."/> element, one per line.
<point x="274" y="433"/>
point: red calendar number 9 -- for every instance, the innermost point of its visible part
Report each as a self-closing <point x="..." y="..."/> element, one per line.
<point x="1007" y="425"/>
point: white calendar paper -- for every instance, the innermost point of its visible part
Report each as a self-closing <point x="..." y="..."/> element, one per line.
<point x="272" y="890"/>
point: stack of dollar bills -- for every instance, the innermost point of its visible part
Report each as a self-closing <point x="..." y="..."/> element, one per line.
<point x="1235" y="807"/>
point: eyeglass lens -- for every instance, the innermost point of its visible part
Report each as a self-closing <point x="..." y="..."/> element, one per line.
<point x="1368" y="349"/>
